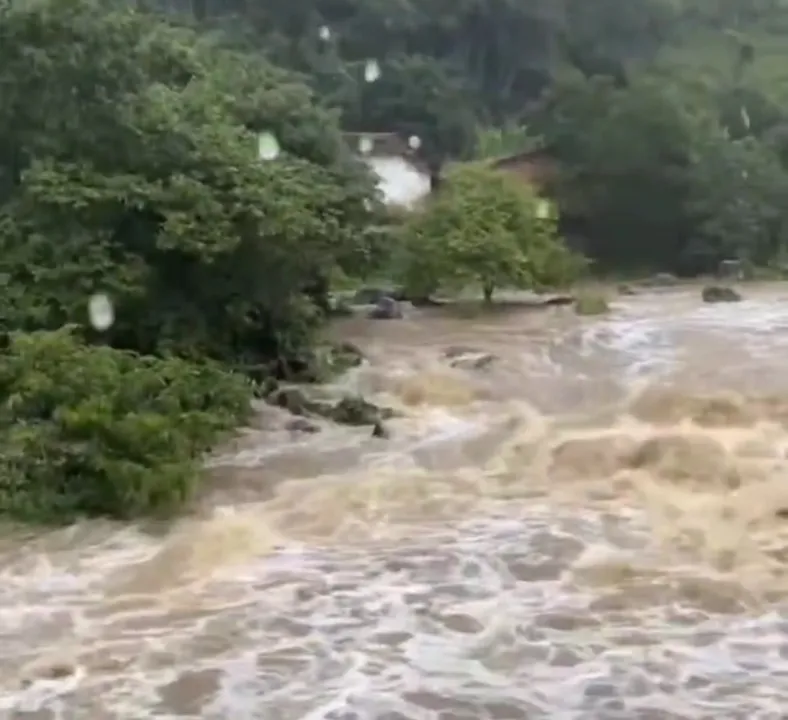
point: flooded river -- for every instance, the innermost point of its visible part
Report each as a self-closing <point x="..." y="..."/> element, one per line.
<point x="588" y="525"/>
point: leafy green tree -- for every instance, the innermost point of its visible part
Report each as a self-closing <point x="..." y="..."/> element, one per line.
<point x="737" y="198"/>
<point x="488" y="228"/>
<point x="625" y="154"/>
<point x="96" y="431"/>
<point x="129" y="150"/>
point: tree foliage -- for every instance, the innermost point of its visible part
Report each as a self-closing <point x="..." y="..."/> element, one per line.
<point x="92" y="430"/>
<point x="624" y="92"/>
<point x="486" y="228"/>
<point x="131" y="168"/>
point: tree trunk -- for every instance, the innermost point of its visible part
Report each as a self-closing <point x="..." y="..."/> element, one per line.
<point x="488" y="290"/>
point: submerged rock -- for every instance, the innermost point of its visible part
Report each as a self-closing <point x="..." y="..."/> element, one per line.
<point x="292" y="399"/>
<point x="355" y="410"/>
<point x="719" y="293"/>
<point x="386" y="308"/>
<point x="558" y="301"/>
<point x="379" y="430"/>
<point x="302" y="425"/>
<point x="344" y="356"/>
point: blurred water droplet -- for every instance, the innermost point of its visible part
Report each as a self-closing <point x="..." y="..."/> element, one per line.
<point x="365" y="145"/>
<point x="745" y="117"/>
<point x="101" y="312"/>
<point x="367" y="204"/>
<point x="325" y="33"/>
<point x="414" y="142"/>
<point x="543" y="210"/>
<point x="371" y="71"/>
<point x="267" y="146"/>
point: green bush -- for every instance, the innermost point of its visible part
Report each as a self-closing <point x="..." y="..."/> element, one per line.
<point x="88" y="430"/>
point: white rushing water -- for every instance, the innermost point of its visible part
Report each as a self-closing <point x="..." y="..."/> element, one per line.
<point x="585" y="528"/>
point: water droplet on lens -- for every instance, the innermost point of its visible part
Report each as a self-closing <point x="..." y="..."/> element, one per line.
<point x="267" y="146"/>
<point x="101" y="312"/>
<point x="325" y="33"/>
<point x="365" y="145"/>
<point x="414" y="142"/>
<point x="371" y="71"/>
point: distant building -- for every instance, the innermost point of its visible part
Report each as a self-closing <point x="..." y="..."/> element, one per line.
<point x="403" y="179"/>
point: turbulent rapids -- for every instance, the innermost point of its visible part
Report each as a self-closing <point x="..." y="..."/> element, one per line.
<point x="592" y="523"/>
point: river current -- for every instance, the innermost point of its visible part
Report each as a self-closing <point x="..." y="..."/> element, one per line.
<point x="592" y="524"/>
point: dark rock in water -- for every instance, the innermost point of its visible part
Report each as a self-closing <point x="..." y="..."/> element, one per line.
<point x="302" y="425"/>
<point x="291" y="399"/>
<point x="625" y="289"/>
<point x="379" y="430"/>
<point x="350" y="349"/>
<point x="387" y="308"/>
<point x="719" y="294"/>
<point x="344" y="356"/>
<point x="558" y="301"/>
<point x="373" y="295"/>
<point x="355" y="410"/>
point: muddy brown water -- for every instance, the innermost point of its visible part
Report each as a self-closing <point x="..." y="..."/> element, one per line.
<point x="587" y="527"/>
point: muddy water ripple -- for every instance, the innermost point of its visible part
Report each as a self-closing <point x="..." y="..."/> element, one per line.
<point x="587" y="527"/>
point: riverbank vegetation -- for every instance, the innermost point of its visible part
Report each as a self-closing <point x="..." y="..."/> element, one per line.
<point x="186" y="159"/>
<point x="487" y="229"/>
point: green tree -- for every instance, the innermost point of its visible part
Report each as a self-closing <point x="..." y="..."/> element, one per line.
<point x="488" y="228"/>
<point x="736" y="198"/>
<point x="130" y="155"/>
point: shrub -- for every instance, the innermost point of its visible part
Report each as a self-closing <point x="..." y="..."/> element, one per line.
<point x="89" y="430"/>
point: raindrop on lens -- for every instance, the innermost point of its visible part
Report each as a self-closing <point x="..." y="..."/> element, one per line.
<point x="414" y="142"/>
<point x="371" y="71"/>
<point x="267" y="146"/>
<point x="365" y="145"/>
<point x="101" y="312"/>
<point x="325" y="33"/>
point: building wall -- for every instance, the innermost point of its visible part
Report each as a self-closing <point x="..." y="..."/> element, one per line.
<point x="399" y="180"/>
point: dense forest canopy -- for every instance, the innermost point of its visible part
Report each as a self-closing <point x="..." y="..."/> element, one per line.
<point x="642" y="101"/>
